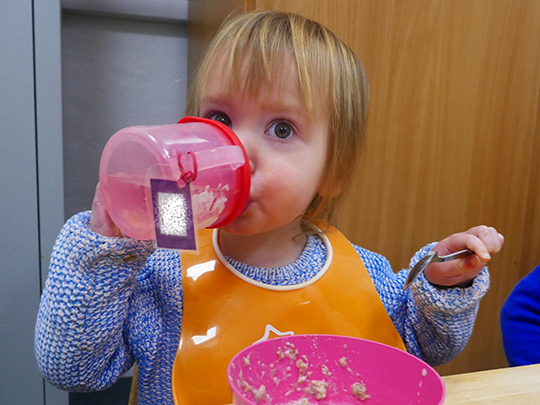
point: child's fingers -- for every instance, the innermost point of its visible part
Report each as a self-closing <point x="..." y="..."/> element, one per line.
<point x="492" y="240"/>
<point x="484" y="241"/>
<point x="459" y="242"/>
<point x="463" y="240"/>
<point x="455" y="272"/>
<point x="100" y="221"/>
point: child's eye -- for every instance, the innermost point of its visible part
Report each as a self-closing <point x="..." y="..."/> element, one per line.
<point x="221" y="117"/>
<point x="281" y="129"/>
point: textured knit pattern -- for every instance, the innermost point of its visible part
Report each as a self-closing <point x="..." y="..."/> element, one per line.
<point x="109" y="302"/>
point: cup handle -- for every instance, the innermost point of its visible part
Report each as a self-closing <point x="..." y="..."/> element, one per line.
<point x="209" y="158"/>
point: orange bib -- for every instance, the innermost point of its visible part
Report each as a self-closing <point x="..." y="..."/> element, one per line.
<point x="224" y="314"/>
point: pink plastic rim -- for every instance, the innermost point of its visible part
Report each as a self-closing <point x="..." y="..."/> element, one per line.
<point x="243" y="174"/>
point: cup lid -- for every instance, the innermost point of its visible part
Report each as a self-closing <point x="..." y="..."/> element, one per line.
<point x="243" y="173"/>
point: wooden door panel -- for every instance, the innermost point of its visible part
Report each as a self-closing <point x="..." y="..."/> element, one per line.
<point x="451" y="137"/>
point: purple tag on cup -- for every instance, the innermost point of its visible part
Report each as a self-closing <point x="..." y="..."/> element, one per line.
<point x="173" y="215"/>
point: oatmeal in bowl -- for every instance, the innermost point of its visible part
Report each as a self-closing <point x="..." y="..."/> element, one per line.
<point x="329" y="369"/>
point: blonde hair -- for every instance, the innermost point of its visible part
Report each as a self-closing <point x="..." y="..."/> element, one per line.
<point x="255" y="43"/>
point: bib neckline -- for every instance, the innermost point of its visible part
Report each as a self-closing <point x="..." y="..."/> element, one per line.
<point x="320" y="273"/>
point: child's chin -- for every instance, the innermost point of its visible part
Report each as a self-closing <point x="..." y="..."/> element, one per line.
<point x="240" y="226"/>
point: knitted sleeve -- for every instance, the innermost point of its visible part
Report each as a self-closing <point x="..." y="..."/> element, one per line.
<point x="79" y="338"/>
<point x="520" y="321"/>
<point x="434" y="323"/>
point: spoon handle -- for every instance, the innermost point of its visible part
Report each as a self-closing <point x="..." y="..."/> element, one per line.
<point x="430" y="258"/>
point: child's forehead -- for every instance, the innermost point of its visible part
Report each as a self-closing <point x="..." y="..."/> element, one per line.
<point x="252" y="78"/>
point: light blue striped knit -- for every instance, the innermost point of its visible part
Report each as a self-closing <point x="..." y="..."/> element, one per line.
<point x="109" y="302"/>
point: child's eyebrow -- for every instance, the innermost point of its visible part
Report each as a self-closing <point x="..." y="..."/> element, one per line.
<point x="214" y="99"/>
<point x="278" y="107"/>
<point x="287" y="109"/>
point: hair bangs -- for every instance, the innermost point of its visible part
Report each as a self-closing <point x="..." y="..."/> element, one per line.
<point x="251" y="54"/>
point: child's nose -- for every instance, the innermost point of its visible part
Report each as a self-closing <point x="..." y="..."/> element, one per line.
<point x="250" y="155"/>
<point x="249" y="146"/>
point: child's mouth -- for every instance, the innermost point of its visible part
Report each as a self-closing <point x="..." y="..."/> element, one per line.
<point x="248" y="204"/>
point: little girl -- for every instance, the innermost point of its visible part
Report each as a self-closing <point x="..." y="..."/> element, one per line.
<point x="296" y="96"/>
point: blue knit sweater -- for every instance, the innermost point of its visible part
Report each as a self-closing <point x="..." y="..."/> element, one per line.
<point x="109" y="302"/>
<point x="520" y="321"/>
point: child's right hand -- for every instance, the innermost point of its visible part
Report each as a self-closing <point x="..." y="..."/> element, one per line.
<point x="100" y="221"/>
<point x="483" y="240"/>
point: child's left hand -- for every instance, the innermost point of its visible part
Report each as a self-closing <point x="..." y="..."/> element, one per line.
<point x="484" y="241"/>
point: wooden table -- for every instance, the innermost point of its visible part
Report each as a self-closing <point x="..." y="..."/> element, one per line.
<point x="512" y="385"/>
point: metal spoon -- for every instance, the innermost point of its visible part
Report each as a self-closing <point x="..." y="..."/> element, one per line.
<point x="433" y="257"/>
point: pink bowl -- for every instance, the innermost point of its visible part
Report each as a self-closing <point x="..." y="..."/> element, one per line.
<point x="326" y="369"/>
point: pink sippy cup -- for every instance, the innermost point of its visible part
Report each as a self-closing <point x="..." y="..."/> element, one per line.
<point x="202" y="152"/>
